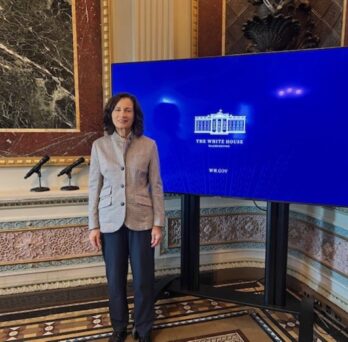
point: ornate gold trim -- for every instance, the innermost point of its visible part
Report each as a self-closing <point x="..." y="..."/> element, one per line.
<point x="41" y="130"/>
<point x="58" y="201"/>
<point x="29" y="161"/>
<point x="76" y="88"/>
<point x="106" y="49"/>
<point x="76" y="69"/>
<point x="344" y="22"/>
<point x="223" y="29"/>
<point x="194" y="28"/>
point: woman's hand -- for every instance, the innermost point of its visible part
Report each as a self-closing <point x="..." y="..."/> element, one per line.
<point x="156" y="236"/>
<point x="94" y="238"/>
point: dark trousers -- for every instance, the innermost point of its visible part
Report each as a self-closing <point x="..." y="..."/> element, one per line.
<point x="136" y="245"/>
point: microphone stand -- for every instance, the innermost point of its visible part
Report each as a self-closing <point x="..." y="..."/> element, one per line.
<point x="39" y="188"/>
<point x="69" y="187"/>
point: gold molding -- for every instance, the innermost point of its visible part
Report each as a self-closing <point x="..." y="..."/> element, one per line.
<point x="30" y="161"/>
<point x="76" y="89"/>
<point x="194" y="28"/>
<point x="106" y="48"/>
<point x="41" y="130"/>
<point x="76" y="69"/>
<point x="223" y="29"/>
<point x="344" y="22"/>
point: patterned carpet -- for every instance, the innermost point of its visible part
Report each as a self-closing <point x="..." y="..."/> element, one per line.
<point x="180" y="319"/>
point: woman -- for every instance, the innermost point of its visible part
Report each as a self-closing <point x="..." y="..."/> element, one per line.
<point x="126" y="212"/>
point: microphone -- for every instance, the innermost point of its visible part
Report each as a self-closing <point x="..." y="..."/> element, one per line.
<point x="36" y="168"/>
<point x="68" y="169"/>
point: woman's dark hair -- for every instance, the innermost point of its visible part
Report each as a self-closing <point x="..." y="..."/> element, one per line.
<point x="138" y="124"/>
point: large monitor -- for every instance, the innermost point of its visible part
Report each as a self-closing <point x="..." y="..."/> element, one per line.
<point x="270" y="126"/>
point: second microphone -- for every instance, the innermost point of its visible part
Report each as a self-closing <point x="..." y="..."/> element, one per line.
<point x="67" y="170"/>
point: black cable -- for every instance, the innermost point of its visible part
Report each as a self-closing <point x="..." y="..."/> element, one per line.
<point x="258" y="207"/>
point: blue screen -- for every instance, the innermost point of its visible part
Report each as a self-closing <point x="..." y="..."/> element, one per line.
<point x="268" y="126"/>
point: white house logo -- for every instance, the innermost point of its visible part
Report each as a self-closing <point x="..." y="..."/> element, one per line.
<point x="220" y="124"/>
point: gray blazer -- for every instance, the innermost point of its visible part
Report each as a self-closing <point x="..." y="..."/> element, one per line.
<point x="125" y="185"/>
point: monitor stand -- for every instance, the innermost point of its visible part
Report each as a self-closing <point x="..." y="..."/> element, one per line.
<point x="275" y="296"/>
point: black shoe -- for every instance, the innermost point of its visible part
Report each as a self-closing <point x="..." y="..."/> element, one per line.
<point x="146" y="338"/>
<point x="118" y="336"/>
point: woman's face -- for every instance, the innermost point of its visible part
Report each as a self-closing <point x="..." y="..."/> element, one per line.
<point x="123" y="115"/>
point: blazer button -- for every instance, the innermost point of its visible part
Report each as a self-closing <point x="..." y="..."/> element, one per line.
<point x="122" y="186"/>
<point x="122" y="204"/>
<point x="122" y="168"/>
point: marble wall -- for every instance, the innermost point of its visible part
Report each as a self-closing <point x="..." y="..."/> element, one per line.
<point x="37" y="69"/>
<point x="48" y="104"/>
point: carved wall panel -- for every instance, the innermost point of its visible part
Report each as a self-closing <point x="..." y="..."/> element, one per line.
<point x="322" y="245"/>
<point x="325" y="20"/>
<point x="238" y="227"/>
<point x="222" y="229"/>
<point x="37" y="245"/>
